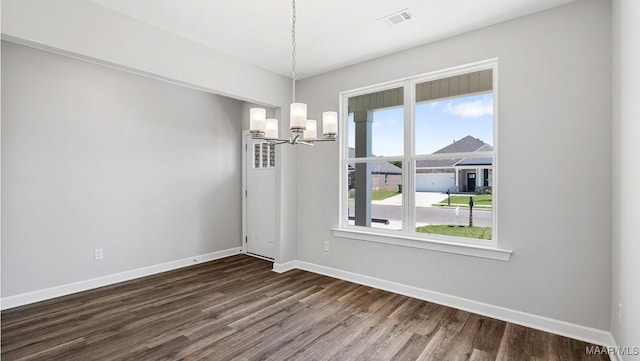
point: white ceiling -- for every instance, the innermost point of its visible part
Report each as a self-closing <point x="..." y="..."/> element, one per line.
<point x="330" y="33"/>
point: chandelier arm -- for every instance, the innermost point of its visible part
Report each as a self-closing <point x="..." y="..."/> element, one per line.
<point x="322" y="140"/>
<point x="277" y="141"/>
<point x="296" y="140"/>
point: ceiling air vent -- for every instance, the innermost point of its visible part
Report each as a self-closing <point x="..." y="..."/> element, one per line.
<point x="398" y="17"/>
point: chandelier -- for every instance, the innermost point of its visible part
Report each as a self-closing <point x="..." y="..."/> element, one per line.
<point x="303" y="131"/>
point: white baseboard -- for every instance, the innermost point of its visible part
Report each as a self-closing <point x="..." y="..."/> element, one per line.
<point x="284" y="267"/>
<point x="48" y="293"/>
<point x="614" y="344"/>
<point x="584" y="333"/>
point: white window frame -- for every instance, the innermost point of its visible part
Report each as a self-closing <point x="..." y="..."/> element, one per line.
<point x="408" y="237"/>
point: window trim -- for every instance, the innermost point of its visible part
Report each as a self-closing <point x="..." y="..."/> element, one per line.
<point x="449" y="244"/>
<point x="400" y="239"/>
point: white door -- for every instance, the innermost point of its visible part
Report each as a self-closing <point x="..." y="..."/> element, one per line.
<point x="260" y="220"/>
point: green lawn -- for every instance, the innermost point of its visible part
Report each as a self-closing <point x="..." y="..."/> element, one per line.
<point x="458" y="231"/>
<point x="380" y="194"/>
<point x="482" y="200"/>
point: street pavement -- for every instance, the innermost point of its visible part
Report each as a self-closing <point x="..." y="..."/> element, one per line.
<point x="391" y="209"/>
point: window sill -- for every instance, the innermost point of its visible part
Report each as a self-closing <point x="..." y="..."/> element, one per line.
<point x="423" y="243"/>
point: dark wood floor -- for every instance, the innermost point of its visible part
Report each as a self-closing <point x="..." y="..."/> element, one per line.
<point x="237" y="308"/>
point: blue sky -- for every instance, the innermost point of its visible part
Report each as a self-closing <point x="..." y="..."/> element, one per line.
<point x="438" y="123"/>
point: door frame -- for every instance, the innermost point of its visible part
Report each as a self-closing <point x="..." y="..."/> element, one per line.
<point x="245" y="234"/>
<point x="245" y="135"/>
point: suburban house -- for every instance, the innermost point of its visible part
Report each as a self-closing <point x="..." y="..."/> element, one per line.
<point x="142" y="219"/>
<point x="384" y="175"/>
<point x="471" y="174"/>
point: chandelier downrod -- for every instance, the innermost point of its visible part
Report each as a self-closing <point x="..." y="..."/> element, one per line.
<point x="293" y="52"/>
<point x="303" y="130"/>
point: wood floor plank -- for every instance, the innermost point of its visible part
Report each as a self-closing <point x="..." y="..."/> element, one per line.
<point x="512" y="346"/>
<point x="438" y="345"/>
<point x="204" y="341"/>
<point x="462" y="347"/>
<point x="537" y="344"/>
<point x="388" y="344"/>
<point x="489" y="336"/>
<point x="302" y="340"/>
<point x="238" y="308"/>
<point x="479" y="355"/>
<point x="217" y="320"/>
<point x="413" y="348"/>
<point x="350" y="340"/>
<point x="454" y="319"/>
<point x="366" y="340"/>
<point x="433" y="319"/>
<point x="295" y="338"/>
<point x="165" y="351"/>
<point x="272" y="309"/>
<point x="318" y="347"/>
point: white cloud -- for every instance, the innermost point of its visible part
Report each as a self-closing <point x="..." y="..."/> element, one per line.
<point x="476" y="108"/>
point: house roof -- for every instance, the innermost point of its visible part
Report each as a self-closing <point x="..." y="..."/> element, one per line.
<point x="475" y="161"/>
<point x="466" y="144"/>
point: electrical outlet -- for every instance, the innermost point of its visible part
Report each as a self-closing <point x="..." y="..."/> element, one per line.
<point x="326" y="246"/>
<point x="98" y="254"/>
<point x="620" y="313"/>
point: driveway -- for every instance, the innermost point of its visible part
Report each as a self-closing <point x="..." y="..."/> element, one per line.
<point x="423" y="199"/>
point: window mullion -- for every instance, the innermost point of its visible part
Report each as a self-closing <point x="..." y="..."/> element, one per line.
<point x="408" y="178"/>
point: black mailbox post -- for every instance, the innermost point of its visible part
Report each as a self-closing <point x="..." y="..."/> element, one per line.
<point x="471" y="204"/>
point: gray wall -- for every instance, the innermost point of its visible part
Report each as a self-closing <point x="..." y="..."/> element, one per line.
<point x="111" y="37"/>
<point x="554" y="121"/>
<point x="93" y="31"/>
<point x="96" y="157"/>
<point x="626" y="157"/>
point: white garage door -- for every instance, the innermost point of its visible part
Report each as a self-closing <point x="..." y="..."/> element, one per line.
<point x="434" y="182"/>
